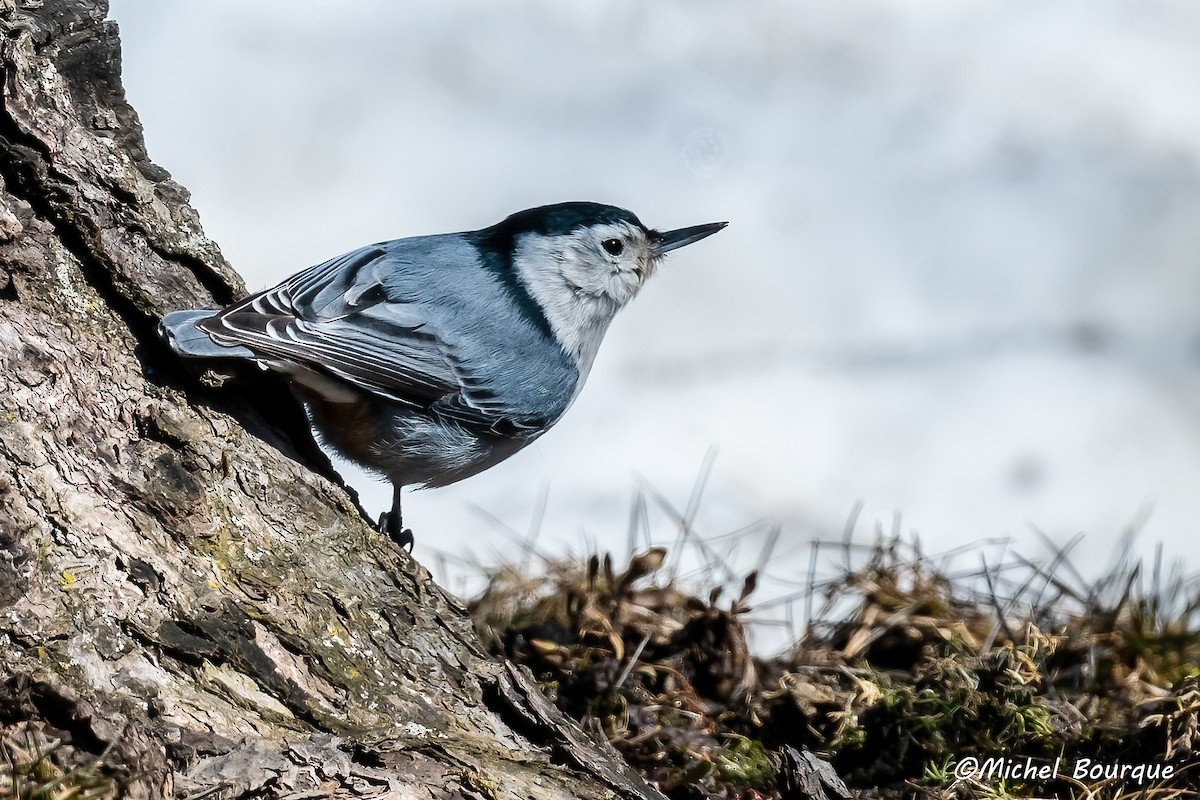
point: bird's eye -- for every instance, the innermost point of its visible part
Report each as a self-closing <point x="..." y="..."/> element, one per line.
<point x="613" y="247"/>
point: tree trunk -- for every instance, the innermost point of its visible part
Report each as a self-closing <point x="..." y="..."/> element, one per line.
<point x="187" y="592"/>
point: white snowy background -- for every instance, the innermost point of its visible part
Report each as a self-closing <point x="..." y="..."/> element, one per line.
<point x="961" y="283"/>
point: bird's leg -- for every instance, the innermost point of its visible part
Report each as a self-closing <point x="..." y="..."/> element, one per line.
<point x="391" y="524"/>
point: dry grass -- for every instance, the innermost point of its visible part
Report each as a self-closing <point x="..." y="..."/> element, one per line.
<point x="908" y="665"/>
<point x="34" y="766"/>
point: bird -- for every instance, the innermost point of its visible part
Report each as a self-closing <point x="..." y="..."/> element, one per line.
<point x="429" y="359"/>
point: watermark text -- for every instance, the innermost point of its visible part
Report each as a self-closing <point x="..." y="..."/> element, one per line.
<point x="1001" y="768"/>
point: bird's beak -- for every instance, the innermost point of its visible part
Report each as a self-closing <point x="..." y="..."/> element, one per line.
<point x="672" y="240"/>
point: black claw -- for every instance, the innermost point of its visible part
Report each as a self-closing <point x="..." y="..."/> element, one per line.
<point x="401" y="536"/>
<point x="404" y="538"/>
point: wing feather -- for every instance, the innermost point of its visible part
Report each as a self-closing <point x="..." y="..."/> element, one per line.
<point x="346" y="318"/>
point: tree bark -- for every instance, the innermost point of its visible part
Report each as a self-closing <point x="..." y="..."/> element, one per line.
<point x="187" y="592"/>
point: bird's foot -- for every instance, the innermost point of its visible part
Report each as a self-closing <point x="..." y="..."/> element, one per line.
<point x="399" y="535"/>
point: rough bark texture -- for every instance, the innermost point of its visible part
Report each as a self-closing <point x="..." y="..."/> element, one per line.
<point x="185" y="591"/>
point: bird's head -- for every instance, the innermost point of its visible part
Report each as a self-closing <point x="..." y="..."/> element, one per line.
<point x="583" y="262"/>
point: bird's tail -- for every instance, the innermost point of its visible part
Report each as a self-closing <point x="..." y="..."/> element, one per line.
<point x="180" y="331"/>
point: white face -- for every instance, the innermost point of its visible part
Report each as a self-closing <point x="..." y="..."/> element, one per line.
<point x="611" y="260"/>
<point x="584" y="278"/>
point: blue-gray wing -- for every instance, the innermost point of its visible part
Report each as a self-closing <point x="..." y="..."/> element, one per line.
<point x="389" y="319"/>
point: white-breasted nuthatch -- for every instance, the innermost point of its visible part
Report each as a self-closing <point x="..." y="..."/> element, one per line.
<point x="432" y="358"/>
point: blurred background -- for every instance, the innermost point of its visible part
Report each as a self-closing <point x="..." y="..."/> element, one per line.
<point x="958" y="297"/>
